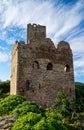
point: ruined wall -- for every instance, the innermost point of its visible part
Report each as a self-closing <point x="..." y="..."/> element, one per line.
<point x="44" y="69"/>
<point x="14" y="69"/>
<point x="35" y="32"/>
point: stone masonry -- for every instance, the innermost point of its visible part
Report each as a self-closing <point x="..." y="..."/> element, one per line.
<point x="39" y="69"/>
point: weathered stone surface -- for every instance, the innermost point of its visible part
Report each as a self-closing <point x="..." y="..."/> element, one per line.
<point x="6" y="122"/>
<point x="39" y="69"/>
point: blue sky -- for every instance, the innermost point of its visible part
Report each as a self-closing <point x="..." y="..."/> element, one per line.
<point x="64" y="20"/>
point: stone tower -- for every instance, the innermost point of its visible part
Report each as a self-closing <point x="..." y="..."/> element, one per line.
<point x="39" y="69"/>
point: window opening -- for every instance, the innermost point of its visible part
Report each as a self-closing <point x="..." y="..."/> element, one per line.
<point x="66" y="68"/>
<point x="33" y="90"/>
<point x="70" y="90"/>
<point x="49" y="66"/>
<point x="27" y="84"/>
<point x="36" y="65"/>
<point x="39" y="86"/>
<point x="34" y="25"/>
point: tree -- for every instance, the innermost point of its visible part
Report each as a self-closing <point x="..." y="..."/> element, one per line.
<point x="63" y="104"/>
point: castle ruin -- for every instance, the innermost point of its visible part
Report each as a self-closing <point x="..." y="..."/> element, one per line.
<point x="39" y="69"/>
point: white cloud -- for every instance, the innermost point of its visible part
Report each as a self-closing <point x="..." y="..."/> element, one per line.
<point x="4" y="54"/>
<point x="3" y="34"/>
<point x="27" y="11"/>
<point x="79" y="62"/>
<point x="2" y="48"/>
<point x="4" y="57"/>
<point x="77" y="44"/>
<point x="61" y="21"/>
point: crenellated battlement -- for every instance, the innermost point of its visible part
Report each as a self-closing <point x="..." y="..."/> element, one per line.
<point x="39" y="69"/>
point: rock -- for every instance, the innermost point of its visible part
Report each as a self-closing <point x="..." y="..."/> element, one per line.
<point x="6" y="122"/>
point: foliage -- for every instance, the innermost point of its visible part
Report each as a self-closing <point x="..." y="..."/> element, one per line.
<point x="9" y="103"/>
<point x="28" y="106"/>
<point x="77" y="116"/>
<point x="4" y="88"/>
<point x="48" y="124"/>
<point x="79" y="97"/>
<point x="41" y="125"/>
<point x="34" y="121"/>
<point x="63" y="104"/>
<point x="69" y="110"/>
<point x="27" y="121"/>
<point x="30" y="115"/>
<point x="54" y="121"/>
<point x="79" y="105"/>
<point x="34" y="117"/>
<point x="79" y="87"/>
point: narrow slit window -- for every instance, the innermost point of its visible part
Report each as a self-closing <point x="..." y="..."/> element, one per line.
<point x="70" y="90"/>
<point x="27" y="84"/>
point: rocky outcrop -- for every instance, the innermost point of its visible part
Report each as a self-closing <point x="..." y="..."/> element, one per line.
<point x="6" y="122"/>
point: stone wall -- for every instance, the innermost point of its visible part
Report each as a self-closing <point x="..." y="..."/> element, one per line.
<point x="42" y="69"/>
<point x="35" y="32"/>
<point x="14" y="68"/>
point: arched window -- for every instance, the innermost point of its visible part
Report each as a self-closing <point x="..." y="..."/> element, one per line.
<point x="49" y="66"/>
<point x="36" y="65"/>
<point x="66" y="68"/>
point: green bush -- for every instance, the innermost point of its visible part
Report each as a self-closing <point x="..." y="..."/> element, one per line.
<point x="27" y="121"/>
<point x="79" y="87"/>
<point x="77" y="125"/>
<point x="34" y="121"/>
<point x="50" y="122"/>
<point x="63" y="105"/>
<point x="41" y="125"/>
<point x="54" y="121"/>
<point x="9" y="103"/>
<point x="28" y="107"/>
<point x="56" y="116"/>
<point x="4" y="88"/>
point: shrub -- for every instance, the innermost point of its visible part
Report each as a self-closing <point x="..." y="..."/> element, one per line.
<point x="79" y="87"/>
<point x="41" y="125"/>
<point x="28" y="107"/>
<point x="50" y="122"/>
<point x="77" y="125"/>
<point x="54" y="121"/>
<point x="27" y="121"/>
<point x="10" y="103"/>
<point x="34" y="121"/>
<point x="4" y="88"/>
<point x="63" y="104"/>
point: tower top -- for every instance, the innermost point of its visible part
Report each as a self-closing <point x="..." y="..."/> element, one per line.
<point x="35" y="32"/>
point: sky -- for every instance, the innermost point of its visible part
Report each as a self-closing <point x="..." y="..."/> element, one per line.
<point x="64" y="20"/>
